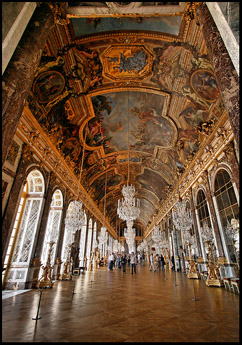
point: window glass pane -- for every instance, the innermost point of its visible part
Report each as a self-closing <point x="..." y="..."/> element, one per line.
<point x="219" y="202"/>
<point x="232" y="195"/>
<point x="235" y="209"/>
<point x="219" y="180"/>
<point x="223" y="218"/>
<point x="225" y="199"/>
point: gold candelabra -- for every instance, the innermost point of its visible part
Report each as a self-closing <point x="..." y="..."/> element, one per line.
<point x="67" y="266"/>
<point x="45" y="280"/>
<point x="213" y="278"/>
<point x="192" y="266"/>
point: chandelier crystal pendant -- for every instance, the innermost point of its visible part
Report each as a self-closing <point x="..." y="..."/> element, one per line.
<point x="129" y="234"/>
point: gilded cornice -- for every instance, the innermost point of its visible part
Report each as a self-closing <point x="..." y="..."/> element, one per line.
<point x="32" y="134"/>
<point x="203" y="159"/>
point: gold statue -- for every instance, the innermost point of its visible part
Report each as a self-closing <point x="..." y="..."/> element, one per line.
<point x="67" y="266"/>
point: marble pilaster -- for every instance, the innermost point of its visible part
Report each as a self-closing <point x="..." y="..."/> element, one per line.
<point x="14" y="197"/>
<point x="19" y="74"/>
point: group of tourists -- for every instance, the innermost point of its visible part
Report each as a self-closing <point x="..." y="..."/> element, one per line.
<point x="157" y="263"/>
<point x="121" y="261"/>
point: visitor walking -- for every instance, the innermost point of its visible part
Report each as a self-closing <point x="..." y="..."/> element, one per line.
<point x="151" y="262"/>
<point x="123" y="262"/>
<point x="128" y="260"/>
<point x="162" y="262"/>
<point x="110" y="261"/>
<point x="133" y="262"/>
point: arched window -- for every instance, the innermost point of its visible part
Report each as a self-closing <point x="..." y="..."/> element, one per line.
<point x="82" y="242"/>
<point x="53" y="226"/>
<point x="227" y="204"/>
<point x="23" y="236"/>
<point x="89" y="241"/>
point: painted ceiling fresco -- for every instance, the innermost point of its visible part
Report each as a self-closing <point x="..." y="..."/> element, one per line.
<point x="98" y="95"/>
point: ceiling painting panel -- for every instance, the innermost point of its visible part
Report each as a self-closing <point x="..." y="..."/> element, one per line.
<point x="88" y="26"/>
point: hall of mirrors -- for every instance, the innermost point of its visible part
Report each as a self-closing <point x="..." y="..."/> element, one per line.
<point x="120" y="136"/>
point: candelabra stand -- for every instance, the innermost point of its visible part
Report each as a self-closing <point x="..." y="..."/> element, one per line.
<point x="193" y="271"/>
<point x="213" y="278"/>
<point x="45" y="280"/>
<point x="67" y="266"/>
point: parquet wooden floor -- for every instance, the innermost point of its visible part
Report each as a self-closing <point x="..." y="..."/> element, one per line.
<point x="110" y="306"/>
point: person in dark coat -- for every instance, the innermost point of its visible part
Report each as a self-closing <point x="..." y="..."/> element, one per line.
<point x="123" y="262"/>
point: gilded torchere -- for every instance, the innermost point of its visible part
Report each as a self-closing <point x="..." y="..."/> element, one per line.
<point x="45" y="280"/>
<point x="66" y="274"/>
<point x="193" y="271"/>
<point x="213" y="278"/>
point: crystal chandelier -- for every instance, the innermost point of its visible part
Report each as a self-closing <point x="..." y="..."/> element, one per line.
<point x="102" y="237"/>
<point x="129" y="207"/>
<point x="182" y="217"/>
<point x="75" y="217"/>
<point x="156" y="237"/>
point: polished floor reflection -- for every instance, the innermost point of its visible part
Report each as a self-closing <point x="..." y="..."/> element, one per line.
<point x="110" y="306"/>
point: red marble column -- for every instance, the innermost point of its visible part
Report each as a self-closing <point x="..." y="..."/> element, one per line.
<point x="195" y="225"/>
<point x="19" y="74"/>
<point x="226" y="75"/>
<point x="44" y="218"/>
<point x="213" y="214"/>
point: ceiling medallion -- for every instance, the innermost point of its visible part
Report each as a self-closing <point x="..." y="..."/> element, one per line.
<point x="124" y="62"/>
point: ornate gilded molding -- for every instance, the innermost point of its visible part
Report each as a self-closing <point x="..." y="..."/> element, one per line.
<point x="49" y="155"/>
<point x="190" y="12"/>
<point x="59" y="13"/>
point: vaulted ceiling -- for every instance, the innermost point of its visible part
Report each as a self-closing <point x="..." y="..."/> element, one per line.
<point x="125" y="87"/>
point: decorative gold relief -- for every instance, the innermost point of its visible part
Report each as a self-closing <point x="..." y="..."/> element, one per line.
<point x="190" y="12"/>
<point x="59" y="13"/>
<point x="13" y="152"/>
